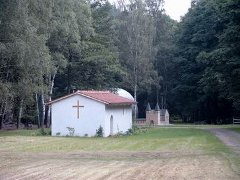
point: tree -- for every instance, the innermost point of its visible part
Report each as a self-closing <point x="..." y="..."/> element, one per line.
<point x="207" y="65"/>
<point x="28" y="56"/>
<point x="136" y="33"/>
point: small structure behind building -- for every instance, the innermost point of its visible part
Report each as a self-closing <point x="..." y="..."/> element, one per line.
<point x="156" y="116"/>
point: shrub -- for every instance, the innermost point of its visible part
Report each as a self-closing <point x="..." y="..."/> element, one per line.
<point x="130" y="132"/>
<point x="134" y="131"/>
<point x="58" y="134"/>
<point x="49" y="132"/>
<point x="137" y="130"/>
<point x="43" y="132"/>
<point x="119" y="134"/>
<point x="71" y="131"/>
<point x="99" y="132"/>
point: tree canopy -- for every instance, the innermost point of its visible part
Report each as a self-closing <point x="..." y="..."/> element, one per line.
<point x="49" y="48"/>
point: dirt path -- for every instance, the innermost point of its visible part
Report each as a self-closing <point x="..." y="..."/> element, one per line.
<point x="228" y="137"/>
<point x="95" y="167"/>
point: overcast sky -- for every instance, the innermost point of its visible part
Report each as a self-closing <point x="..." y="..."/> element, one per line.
<point x="174" y="8"/>
<point x="177" y="8"/>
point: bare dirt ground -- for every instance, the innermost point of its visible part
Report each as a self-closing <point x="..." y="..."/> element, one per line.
<point x="114" y="165"/>
<point x="229" y="138"/>
<point x="184" y="163"/>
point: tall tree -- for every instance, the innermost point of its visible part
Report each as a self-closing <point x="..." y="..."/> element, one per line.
<point x="207" y="65"/>
<point x="28" y="55"/>
<point x="136" y="33"/>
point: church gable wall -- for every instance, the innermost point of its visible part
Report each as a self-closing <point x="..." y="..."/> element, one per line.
<point x="64" y="115"/>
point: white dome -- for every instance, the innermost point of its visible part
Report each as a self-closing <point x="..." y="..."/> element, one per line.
<point x="124" y="93"/>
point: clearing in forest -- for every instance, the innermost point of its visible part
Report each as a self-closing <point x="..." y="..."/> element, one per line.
<point x="161" y="153"/>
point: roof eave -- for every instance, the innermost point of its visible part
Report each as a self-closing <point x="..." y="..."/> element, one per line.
<point x="122" y="104"/>
<point x="70" y="95"/>
<point x="84" y="95"/>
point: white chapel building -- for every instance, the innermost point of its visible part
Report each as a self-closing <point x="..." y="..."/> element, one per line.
<point x="85" y="111"/>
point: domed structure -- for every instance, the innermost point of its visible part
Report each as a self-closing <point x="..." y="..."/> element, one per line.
<point x="124" y="93"/>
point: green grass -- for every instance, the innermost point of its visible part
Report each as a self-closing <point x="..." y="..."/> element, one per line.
<point x="203" y="126"/>
<point x="23" y="132"/>
<point x="155" y="139"/>
<point x="236" y="129"/>
<point x="180" y="141"/>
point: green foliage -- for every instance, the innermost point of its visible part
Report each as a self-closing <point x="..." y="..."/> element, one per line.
<point x="136" y="130"/>
<point x="58" y="134"/>
<point x="43" y="132"/>
<point x="129" y="132"/>
<point x="135" y="36"/>
<point x="41" y="40"/>
<point x="205" y="82"/>
<point x="71" y="131"/>
<point x="53" y="46"/>
<point x="99" y="132"/>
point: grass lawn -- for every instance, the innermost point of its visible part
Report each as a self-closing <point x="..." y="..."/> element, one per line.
<point x="236" y="129"/>
<point x="184" y="152"/>
<point x="156" y="139"/>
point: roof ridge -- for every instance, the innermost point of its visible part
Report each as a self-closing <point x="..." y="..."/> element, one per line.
<point x="106" y="97"/>
<point x="93" y="91"/>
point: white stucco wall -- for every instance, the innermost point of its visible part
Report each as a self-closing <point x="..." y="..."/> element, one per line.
<point x="122" y="119"/>
<point x="92" y="115"/>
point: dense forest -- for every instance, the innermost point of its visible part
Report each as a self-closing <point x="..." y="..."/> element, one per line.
<point x="48" y="48"/>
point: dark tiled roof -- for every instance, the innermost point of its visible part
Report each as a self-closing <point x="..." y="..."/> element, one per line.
<point x="148" y="107"/>
<point x="105" y="97"/>
<point x="157" y="108"/>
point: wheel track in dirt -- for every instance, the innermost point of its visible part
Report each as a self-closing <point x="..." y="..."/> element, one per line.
<point x="91" y="166"/>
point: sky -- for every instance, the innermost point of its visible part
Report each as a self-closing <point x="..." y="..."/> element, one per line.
<point x="174" y="8"/>
<point x="177" y="8"/>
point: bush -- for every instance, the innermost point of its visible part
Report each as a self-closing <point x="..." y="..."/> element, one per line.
<point x="43" y="132"/>
<point x="71" y="131"/>
<point x="49" y="132"/>
<point x="134" y="131"/>
<point x="99" y="132"/>
<point x="58" y="134"/>
<point x="137" y="130"/>
<point x="120" y="134"/>
<point x="130" y="132"/>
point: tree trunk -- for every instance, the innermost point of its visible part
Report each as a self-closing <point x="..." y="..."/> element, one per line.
<point x="41" y="109"/>
<point x="46" y="118"/>
<point x="68" y="73"/>
<point x="48" y="109"/>
<point x="37" y="108"/>
<point x="2" y="112"/>
<point x="68" y="80"/>
<point x="1" y="120"/>
<point x="20" y="113"/>
<point x="135" y="99"/>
